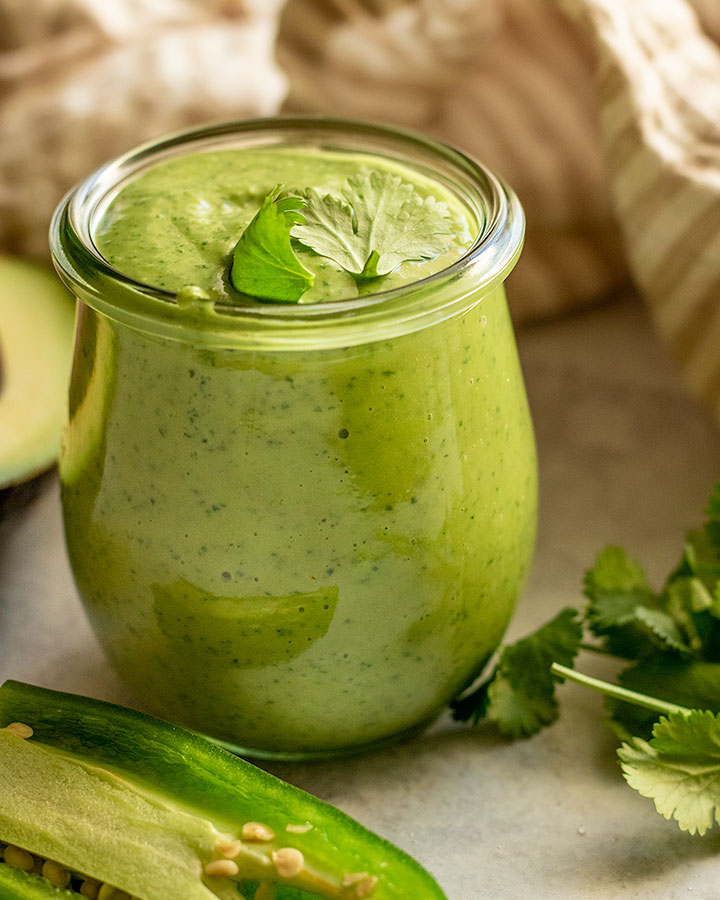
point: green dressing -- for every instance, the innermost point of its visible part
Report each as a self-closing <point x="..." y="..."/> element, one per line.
<point x="298" y="551"/>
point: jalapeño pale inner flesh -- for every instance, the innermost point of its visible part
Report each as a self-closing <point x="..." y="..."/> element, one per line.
<point x="111" y="804"/>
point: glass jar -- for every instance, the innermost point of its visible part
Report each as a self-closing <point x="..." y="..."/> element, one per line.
<point x="298" y="529"/>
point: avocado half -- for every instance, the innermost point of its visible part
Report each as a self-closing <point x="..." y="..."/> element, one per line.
<point x="36" y="340"/>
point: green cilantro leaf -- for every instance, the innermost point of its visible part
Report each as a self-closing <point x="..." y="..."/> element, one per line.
<point x="662" y="627"/>
<point x="379" y="223"/>
<point x="472" y="707"/>
<point x="615" y="586"/>
<point x="679" y="769"/>
<point x="712" y="526"/>
<point x="700" y="567"/>
<point x="521" y="697"/>
<point x="701" y="557"/>
<point x="625" y="611"/>
<point x="692" y="683"/>
<point x="690" y="593"/>
<point x="264" y="264"/>
<point x="520" y="694"/>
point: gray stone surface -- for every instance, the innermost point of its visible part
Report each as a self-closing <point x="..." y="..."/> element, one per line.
<point x="625" y="457"/>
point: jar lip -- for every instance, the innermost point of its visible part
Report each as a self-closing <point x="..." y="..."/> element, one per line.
<point x="491" y="255"/>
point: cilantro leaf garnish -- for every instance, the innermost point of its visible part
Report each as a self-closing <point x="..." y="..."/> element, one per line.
<point x="679" y="768"/>
<point x="264" y="264"/>
<point x="379" y="223"/>
<point x="520" y="694"/>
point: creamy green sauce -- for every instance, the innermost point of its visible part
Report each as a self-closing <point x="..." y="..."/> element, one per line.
<point x="298" y="551"/>
<point x="178" y="224"/>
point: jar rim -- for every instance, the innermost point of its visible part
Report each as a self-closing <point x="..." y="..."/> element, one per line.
<point x="488" y="260"/>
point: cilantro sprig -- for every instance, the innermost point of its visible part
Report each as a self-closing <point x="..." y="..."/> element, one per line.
<point x="679" y="767"/>
<point x="519" y="695"/>
<point x="264" y="263"/>
<point x="670" y="641"/>
<point x="377" y="223"/>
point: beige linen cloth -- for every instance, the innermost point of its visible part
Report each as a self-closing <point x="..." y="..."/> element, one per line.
<point x="604" y="115"/>
<point x="83" y="80"/>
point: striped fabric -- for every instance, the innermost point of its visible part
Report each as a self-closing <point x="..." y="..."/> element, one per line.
<point x="510" y="81"/>
<point x="603" y="114"/>
<point x="659" y="89"/>
<point x="84" y="80"/>
<point x="606" y="121"/>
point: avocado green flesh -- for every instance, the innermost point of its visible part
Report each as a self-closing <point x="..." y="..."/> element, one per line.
<point x="179" y="782"/>
<point x="36" y="341"/>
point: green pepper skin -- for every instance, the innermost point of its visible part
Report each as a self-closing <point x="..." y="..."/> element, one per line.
<point x="203" y="778"/>
<point x="18" y="885"/>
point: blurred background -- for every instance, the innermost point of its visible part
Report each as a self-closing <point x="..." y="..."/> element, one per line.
<point x="604" y="116"/>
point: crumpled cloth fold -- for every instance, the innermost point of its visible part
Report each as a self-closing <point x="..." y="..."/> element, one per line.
<point x="604" y="115"/>
<point x="84" y="80"/>
<point x="659" y="89"/>
<point x="509" y="81"/>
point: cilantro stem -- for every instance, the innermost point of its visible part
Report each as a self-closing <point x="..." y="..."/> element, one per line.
<point x="619" y="693"/>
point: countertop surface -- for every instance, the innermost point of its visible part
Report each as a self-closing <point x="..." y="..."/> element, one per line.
<point x="626" y="456"/>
